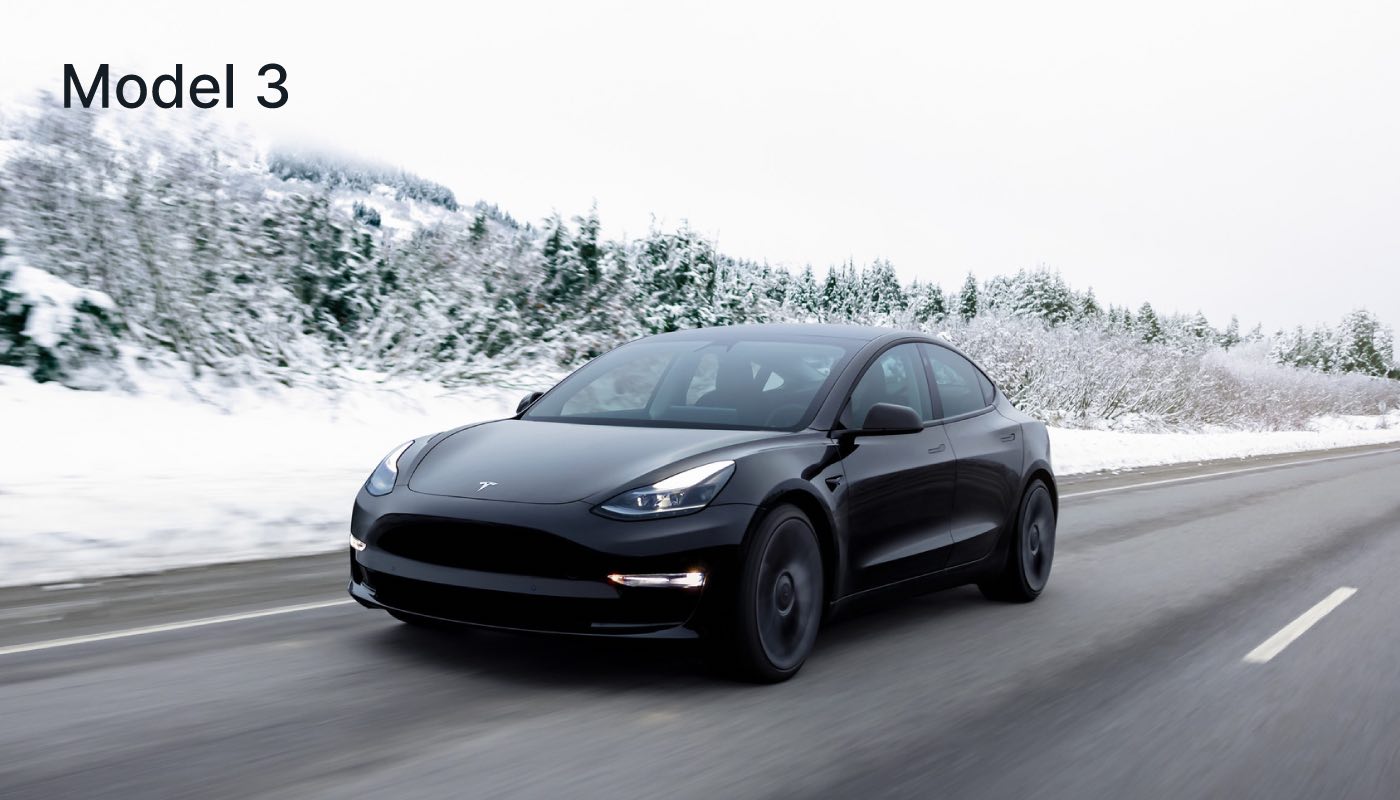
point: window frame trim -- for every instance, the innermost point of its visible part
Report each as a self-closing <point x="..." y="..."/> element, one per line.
<point x="933" y="386"/>
<point x="935" y="403"/>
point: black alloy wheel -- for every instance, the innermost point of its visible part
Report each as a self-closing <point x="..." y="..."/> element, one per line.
<point x="781" y="598"/>
<point x="1031" y="551"/>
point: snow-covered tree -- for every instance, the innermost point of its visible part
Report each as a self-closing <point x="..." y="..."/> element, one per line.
<point x="881" y="290"/>
<point x="1089" y="310"/>
<point x="1148" y="327"/>
<point x="967" y="298"/>
<point x="1230" y="337"/>
<point x="1363" y="345"/>
<point x="927" y="303"/>
<point x="804" y="297"/>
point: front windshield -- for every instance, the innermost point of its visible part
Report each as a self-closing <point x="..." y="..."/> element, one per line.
<point x="753" y="384"/>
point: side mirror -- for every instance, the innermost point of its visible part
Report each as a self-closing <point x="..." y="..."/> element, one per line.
<point x="527" y="401"/>
<point x="887" y="419"/>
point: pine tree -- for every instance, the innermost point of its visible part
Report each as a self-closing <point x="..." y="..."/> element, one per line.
<point x="833" y="298"/>
<point x="1231" y="336"/>
<point x="1148" y="327"/>
<point x="477" y="232"/>
<point x="1198" y="327"/>
<point x="805" y="297"/>
<point x="882" y="293"/>
<point x="853" y="301"/>
<point x="1362" y="345"/>
<point x="927" y="303"/>
<point x="1089" y="310"/>
<point x="967" y="299"/>
<point x="589" y="251"/>
<point x="1042" y="293"/>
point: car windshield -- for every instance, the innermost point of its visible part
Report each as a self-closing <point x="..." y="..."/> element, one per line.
<point x="723" y="383"/>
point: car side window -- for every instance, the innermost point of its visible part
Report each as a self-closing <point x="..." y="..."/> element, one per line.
<point x="989" y="392"/>
<point x="896" y="376"/>
<point x="959" y="384"/>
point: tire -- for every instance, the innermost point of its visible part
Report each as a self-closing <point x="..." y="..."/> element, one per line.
<point x="1030" y="554"/>
<point x="779" y="602"/>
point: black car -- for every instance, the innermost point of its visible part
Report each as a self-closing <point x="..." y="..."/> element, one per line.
<point x="733" y="484"/>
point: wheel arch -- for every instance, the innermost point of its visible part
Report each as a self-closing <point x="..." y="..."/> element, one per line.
<point x="819" y="513"/>
<point x="1041" y="471"/>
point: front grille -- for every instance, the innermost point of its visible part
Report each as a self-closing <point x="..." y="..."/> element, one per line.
<point x="646" y="610"/>
<point x="488" y="547"/>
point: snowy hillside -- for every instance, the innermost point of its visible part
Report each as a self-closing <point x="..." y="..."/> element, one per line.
<point x="290" y="269"/>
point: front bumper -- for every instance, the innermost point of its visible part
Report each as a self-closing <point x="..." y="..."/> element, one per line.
<point x="539" y="567"/>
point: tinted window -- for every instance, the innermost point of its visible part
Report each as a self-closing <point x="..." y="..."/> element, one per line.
<point x="697" y="383"/>
<point x="959" y="384"/>
<point x="897" y="376"/>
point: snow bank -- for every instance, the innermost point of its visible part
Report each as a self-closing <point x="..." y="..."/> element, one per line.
<point x="106" y="483"/>
<point x="1079" y="451"/>
<point x="52" y="302"/>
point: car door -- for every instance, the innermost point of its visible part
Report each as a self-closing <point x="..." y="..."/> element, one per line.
<point x="988" y="450"/>
<point x="899" y="487"/>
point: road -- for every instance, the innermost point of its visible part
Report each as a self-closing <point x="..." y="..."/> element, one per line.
<point x="1129" y="678"/>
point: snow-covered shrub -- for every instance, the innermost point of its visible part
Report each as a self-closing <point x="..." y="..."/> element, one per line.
<point x="55" y="330"/>
<point x="1079" y="376"/>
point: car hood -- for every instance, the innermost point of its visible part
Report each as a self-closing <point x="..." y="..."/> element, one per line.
<point x="525" y="461"/>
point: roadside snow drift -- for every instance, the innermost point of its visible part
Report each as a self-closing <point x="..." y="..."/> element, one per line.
<point x="108" y="483"/>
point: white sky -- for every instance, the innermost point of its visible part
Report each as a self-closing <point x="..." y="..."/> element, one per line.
<point x="1227" y="157"/>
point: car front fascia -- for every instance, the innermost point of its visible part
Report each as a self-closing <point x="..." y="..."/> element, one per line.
<point x="708" y="540"/>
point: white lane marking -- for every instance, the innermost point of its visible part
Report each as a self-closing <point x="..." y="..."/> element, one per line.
<point x="1261" y="468"/>
<point x="169" y="626"/>
<point x="1274" y="645"/>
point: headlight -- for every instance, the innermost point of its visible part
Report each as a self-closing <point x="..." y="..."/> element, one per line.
<point x="381" y="481"/>
<point x="681" y="493"/>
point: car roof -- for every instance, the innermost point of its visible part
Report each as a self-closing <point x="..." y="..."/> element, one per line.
<point x="860" y="333"/>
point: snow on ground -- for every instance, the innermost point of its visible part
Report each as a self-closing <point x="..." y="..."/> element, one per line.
<point x="1075" y="452"/>
<point x="108" y="483"/>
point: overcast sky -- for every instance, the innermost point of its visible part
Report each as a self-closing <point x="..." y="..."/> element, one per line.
<point x="1222" y="157"/>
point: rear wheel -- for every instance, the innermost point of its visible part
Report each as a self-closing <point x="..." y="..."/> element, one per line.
<point x="780" y="599"/>
<point x="1031" y="552"/>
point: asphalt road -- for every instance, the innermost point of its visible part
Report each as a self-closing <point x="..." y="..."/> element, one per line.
<point x="1138" y="674"/>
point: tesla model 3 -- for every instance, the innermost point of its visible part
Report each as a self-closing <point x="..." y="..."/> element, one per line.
<point x="737" y="485"/>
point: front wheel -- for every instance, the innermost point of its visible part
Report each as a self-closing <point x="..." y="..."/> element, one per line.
<point x="780" y="599"/>
<point x="1032" y="550"/>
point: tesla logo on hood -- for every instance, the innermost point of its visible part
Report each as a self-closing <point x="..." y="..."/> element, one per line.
<point x="486" y="484"/>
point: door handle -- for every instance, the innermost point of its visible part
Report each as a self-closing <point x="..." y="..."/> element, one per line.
<point x="1008" y="437"/>
<point x="938" y="449"/>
